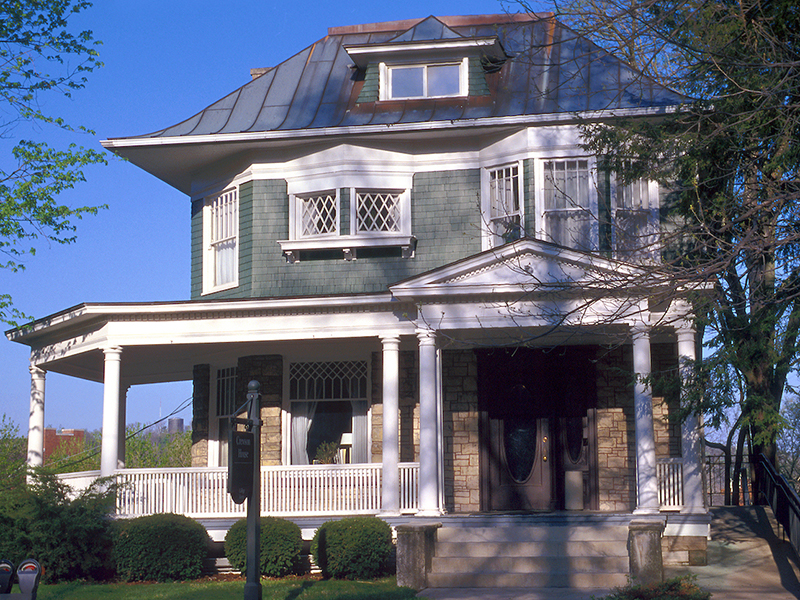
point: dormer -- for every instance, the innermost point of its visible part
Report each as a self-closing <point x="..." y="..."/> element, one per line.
<point x="428" y="61"/>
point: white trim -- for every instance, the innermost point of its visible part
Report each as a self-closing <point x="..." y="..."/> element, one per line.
<point x="209" y="255"/>
<point x="386" y="75"/>
<point x="487" y="237"/>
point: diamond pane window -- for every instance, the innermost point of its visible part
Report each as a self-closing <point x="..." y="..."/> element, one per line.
<point x="378" y="211"/>
<point x="319" y="214"/>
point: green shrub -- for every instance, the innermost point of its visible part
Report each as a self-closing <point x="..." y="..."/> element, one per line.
<point x="281" y="543"/>
<point x="160" y="548"/>
<point x="70" y="536"/>
<point x="679" y="588"/>
<point x="352" y="548"/>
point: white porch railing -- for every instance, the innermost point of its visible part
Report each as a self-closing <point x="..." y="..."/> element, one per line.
<point x="670" y="483"/>
<point x="285" y="491"/>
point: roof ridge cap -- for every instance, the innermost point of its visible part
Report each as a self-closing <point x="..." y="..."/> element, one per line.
<point x="449" y="21"/>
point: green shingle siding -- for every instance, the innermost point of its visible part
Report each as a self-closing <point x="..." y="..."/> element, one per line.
<point x="370" y="90"/>
<point x="477" y="79"/>
<point x="529" y="199"/>
<point x="445" y="220"/>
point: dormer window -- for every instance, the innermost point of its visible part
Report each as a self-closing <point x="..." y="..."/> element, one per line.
<point x="400" y="82"/>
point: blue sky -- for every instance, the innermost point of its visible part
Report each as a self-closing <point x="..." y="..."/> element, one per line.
<point x="164" y="60"/>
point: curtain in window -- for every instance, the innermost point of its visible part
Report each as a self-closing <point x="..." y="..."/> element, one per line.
<point x="360" y="441"/>
<point x="302" y="417"/>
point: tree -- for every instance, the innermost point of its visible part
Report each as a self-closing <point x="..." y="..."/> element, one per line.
<point x="39" y="55"/>
<point x="789" y="442"/>
<point x="12" y="454"/>
<point x="730" y="156"/>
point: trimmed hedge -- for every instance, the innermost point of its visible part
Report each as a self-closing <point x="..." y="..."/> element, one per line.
<point x="166" y="547"/>
<point x="353" y="548"/>
<point x="281" y="544"/>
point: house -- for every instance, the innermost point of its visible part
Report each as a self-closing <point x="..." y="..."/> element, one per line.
<point x="399" y="235"/>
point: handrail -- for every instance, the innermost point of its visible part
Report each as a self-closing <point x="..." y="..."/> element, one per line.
<point x="782" y="498"/>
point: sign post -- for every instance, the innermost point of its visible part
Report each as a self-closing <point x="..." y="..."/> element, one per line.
<point x="244" y="482"/>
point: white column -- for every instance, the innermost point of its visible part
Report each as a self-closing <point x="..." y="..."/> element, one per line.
<point x="428" y="426"/>
<point x="36" y="418"/>
<point x="109" y="457"/>
<point x="646" y="475"/>
<point x="691" y="434"/>
<point x="390" y="493"/>
<point x="123" y="410"/>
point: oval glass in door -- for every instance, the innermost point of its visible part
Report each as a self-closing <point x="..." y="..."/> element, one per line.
<point x="519" y="445"/>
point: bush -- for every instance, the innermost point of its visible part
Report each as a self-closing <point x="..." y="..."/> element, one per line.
<point x="160" y="548"/>
<point x="71" y="537"/>
<point x="281" y="543"/>
<point x="679" y="588"/>
<point x="352" y="548"/>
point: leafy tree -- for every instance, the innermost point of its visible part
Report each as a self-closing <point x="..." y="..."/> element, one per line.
<point x="730" y="156"/>
<point x="789" y="442"/>
<point x="12" y="455"/>
<point x="39" y="55"/>
<point x="151" y="448"/>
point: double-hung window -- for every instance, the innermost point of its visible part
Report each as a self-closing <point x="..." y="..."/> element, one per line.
<point x="225" y="405"/>
<point x="505" y="208"/>
<point x="328" y="405"/>
<point x="221" y="269"/>
<point x="634" y="222"/>
<point x="570" y="199"/>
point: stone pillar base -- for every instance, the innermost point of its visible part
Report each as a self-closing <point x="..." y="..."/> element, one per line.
<point x="644" y="550"/>
<point x="414" y="553"/>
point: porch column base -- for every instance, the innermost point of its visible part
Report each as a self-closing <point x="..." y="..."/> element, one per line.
<point x="414" y="554"/>
<point x="430" y="512"/>
<point x="644" y="550"/>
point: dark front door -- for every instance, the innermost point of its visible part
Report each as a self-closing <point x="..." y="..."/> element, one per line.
<point x="520" y="451"/>
<point x="536" y="428"/>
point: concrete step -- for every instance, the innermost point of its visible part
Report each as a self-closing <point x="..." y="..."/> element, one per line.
<point x="527" y="580"/>
<point x="533" y="556"/>
<point x="552" y="534"/>
<point x="531" y="564"/>
<point x="489" y="549"/>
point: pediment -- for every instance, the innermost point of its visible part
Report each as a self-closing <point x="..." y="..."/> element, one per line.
<point x="527" y="266"/>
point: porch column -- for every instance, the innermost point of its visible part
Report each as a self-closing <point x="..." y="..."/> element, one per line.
<point x="646" y="476"/>
<point x="109" y="457"/>
<point x="36" y="418"/>
<point x="390" y="492"/>
<point x="428" y="427"/>
<point x="123" y="409"/>
<point x="691" y="434"/>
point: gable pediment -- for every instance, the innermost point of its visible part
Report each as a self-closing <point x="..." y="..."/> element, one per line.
<point x="527" y="266"/>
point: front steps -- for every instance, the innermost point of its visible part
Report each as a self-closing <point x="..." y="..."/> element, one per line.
<point x="530" y="555"/>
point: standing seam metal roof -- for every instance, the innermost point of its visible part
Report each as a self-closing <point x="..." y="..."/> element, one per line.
<point x="549" y="70"/>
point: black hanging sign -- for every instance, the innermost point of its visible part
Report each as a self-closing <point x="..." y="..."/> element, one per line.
<point x="241" y="457"/>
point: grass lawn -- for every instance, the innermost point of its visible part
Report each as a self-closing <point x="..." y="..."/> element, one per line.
<point x="279" y="589"/>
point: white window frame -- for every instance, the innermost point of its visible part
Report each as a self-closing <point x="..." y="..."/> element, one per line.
<point x="288" y="400"/>
<point x="589" y="212"/>
<point x="387" y="69"/>
<point x="645" y="207"/>
<point x="217" y="447"/>
<point x="348" y="244"/>
<point x="220" y="226"/>
<point x="296" y="215"/>
<point x="491" y="238"/>
<point x="403" y="219"/>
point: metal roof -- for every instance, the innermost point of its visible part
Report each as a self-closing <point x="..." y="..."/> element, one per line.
<point x="549" y="70"/>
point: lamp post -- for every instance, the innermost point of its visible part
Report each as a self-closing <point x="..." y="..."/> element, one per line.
<point x="252" y="588"/>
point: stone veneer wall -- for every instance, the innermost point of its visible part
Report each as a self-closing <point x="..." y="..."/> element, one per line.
<point x="408" y="405"/>
<point x="268" y="371"/>
<point x="461" y="435"/>
<point x="201" y="398"/>
<point x="666" y="400"/>
<point x="616" y="436"/>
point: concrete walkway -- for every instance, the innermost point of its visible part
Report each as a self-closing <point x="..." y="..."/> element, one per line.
<point x="747" y="560"/>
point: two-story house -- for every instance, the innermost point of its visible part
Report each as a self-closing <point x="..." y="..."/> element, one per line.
<point x="398" y="233"/>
